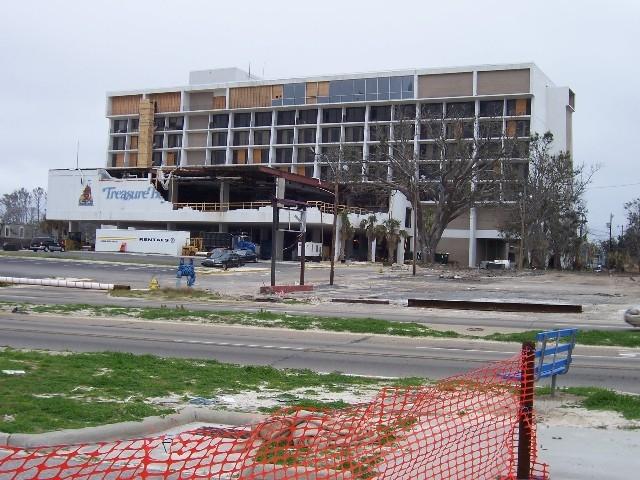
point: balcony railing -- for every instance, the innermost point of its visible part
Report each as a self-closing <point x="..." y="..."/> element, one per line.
<point x="324" y="207"/>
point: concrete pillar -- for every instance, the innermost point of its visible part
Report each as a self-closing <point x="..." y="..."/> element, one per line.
<point x="472" y="237"/>
<point x="74" y="226"/>
<point x="173" y="190"/>
<point x="224" y="192"/>
<point x="280" y="187"/>
<point x="373" y="250"/>
<point x="400" y="252"/>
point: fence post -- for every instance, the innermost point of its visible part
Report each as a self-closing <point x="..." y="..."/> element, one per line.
<point x="526" y="410"/>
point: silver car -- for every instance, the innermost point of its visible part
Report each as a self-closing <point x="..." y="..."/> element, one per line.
<point x="632" y="316"/>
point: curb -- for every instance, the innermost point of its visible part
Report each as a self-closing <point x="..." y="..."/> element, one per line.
<point x="127" y="430"/>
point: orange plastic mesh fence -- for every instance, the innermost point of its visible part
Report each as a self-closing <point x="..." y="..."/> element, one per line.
<point x="463" y="427"/>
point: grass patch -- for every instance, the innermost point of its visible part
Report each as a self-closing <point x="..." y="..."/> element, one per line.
<point x="308" y="403"/>
<point x="78" y="390"/>
<point x="596" y="398"/>
<point x="619" y="338"/>
<point x="3" y="284"/>
<point x="168" y="294"/>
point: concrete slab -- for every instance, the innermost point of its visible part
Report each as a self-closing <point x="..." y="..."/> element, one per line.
<point x="575" y="453"/>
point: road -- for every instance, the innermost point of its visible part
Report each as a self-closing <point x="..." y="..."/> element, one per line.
<point x="617" y="368"/>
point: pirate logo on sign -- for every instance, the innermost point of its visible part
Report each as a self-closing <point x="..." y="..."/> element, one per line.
<point x="86" y="199"/>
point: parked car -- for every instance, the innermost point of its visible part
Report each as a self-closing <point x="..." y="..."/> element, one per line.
<point x="225" y="260"/>
<point x="246" y="255"/>
<point x="46" y="244"/>
<point x="10" y="246"/>
<point x="632" y="316"/>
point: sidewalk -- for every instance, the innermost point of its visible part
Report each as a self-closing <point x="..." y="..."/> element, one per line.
<point x="577" y="453"/>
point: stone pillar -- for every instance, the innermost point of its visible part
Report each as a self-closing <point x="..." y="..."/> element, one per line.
<point x="224" y="195"/>
<point x="472" y="237"/>
<point x="400" y="252"/>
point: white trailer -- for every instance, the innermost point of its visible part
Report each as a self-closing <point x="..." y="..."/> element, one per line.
<point x="164" y="242"/>
<point x="312" y="250"/>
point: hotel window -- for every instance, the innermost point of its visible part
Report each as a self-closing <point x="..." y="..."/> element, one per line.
<point x="175" y="123"/>
<point x="332" y="115"/>
<point x="404" y="112"/>
<point x="118" y="143"/>
<point x="241" y="120"/>
<point x="174" y="141"/>
<point x="429" y="151"/>
<point x="307" y="135"/>
<point x="431" y="110"/>
<point x="354" y="134"/>
<point x="219" y="139"/>
<point x="158" y="123"/>
<point x="262" y="119"/>
<point x="330" y="134"/>
<point x="219" y="157"/>
<point x="119" y="126"/>
<point x="287" y="117"/>
<point x="156" y="159"/>
<point x="220" y="121"/>
<point x="135" y="124"/>
<point x="459" y="129"/>
<point x="294" y="94"/>
<point x="306" y="155"/>
<point x="379" y="113"/>
<point x="378" y="132"/>
<point x="490" y="129"/>
<point x="492" y="108"/>
<point x="461" y="109"/>
<point x="355" y="114"/>
<point x="241" y="138"/>
<point x="284" y="136"/>
<point x="518" y="107"/>
<point x="430" y="130"/>
<point x="261" y="137"/>
<point x="284" y="155"/>
<point x="308" y="117"/>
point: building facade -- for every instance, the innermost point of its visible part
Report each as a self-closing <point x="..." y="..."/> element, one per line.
<point x="225" y="117"/>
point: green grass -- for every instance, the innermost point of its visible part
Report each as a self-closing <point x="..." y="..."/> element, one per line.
<point x="77" y="390"/>
<point x="596" y="398"/>
<point x="266" y="318"/>
<point x="168" y="294"/>
<point x="619" y="338"/>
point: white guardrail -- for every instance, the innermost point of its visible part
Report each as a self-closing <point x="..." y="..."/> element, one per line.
<point x="52" y="282"/>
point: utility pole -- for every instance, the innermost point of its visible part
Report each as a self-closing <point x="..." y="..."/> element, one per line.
<point x="609" y="253"/>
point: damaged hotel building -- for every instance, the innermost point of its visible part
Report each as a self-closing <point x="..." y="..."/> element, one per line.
<point x="210" y="156"/>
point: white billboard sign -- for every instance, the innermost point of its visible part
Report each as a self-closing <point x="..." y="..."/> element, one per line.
<point x="165" y="242"/>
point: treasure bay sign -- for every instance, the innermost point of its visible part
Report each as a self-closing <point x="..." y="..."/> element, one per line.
<point x="141" y="241"/>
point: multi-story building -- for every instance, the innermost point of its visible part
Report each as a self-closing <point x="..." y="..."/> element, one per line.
<point x="225" y="117"/>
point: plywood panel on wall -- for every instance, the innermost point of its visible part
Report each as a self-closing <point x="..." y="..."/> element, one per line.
<point x="277" y="91"/>
<point x="247" y="97"/>
<point x="119" y="160"/>
<point x="323" y="89"/>
<point x="219" y="103"/>
<point x="498" y="82"/>
<point x="445" y="85"/>
<point x="133" y="160"/>
<point x="133" y="144"/>
<point x="166" y="102"/>
<point x="145" y="140"/>
<point x="125" y="104"/>
<point x="171" y="159"/>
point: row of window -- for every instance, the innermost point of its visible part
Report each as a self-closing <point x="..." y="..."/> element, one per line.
<point x="377" y="113"/>
<point x="428" y="131"/>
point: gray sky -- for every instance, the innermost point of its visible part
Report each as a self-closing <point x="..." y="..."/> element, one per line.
<point x="58" y="58"/>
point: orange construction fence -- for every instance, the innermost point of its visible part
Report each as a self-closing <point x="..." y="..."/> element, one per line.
<point x="470" y="426"/>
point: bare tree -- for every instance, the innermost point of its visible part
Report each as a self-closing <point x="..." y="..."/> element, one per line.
<point x="547" y="210"/>
<point x="17" y="206"/>
<point x="39" y="197"/>
<point x="458" y="168"/>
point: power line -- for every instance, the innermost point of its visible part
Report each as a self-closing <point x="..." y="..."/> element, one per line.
<point x="614" y="186"/>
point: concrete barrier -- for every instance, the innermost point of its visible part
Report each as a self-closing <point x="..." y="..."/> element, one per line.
<point x="286" y="288"/>
<point x="496" y="306"/>
<point x="52" y="282"/>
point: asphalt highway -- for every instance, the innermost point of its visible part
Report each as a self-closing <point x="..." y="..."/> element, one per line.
<point x="617" y="368"/>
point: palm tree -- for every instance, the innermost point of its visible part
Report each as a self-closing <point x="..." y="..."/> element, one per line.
<point x="346" y="234"/>
<point x="371" y="232"/>
<point x="391" y="232"/>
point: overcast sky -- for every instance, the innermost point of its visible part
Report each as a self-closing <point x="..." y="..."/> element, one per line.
<point x="58" y="58"/>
